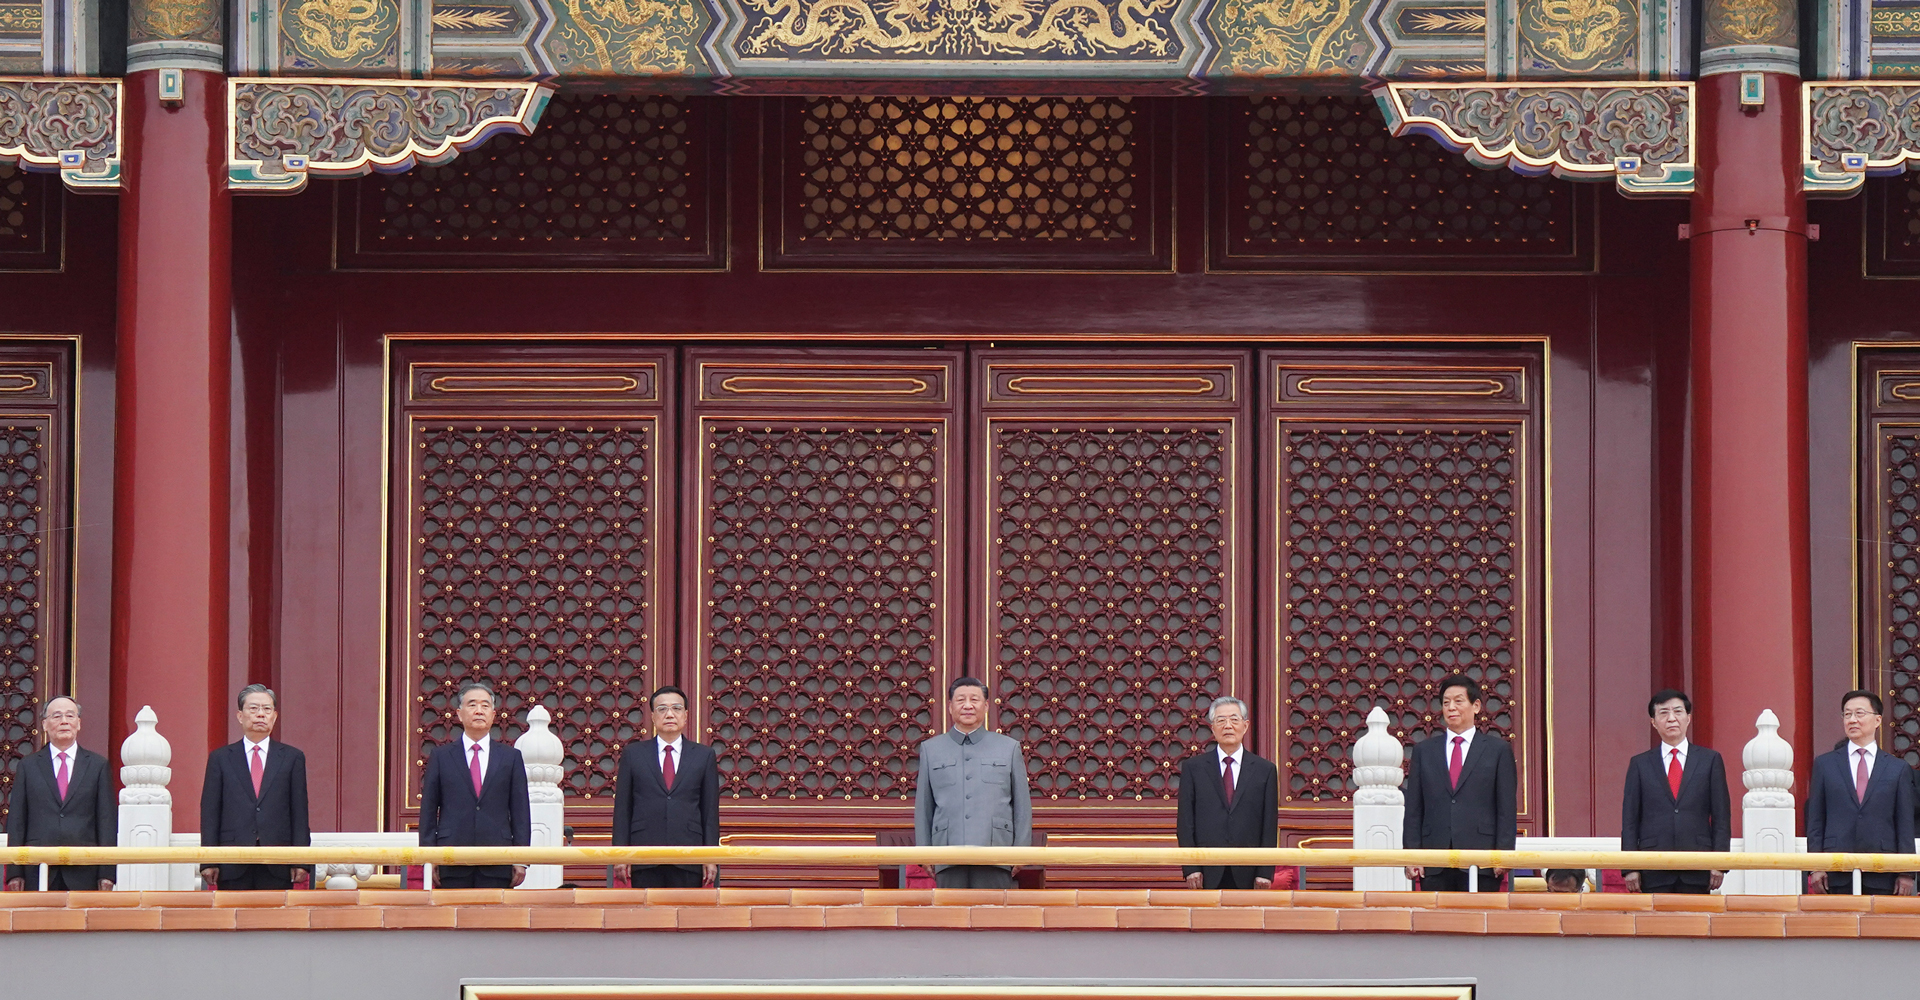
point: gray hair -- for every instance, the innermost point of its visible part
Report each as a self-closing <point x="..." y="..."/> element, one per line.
<point x="62" y="697"/>
<point x="472" y="685"/>
<point x="241" y="701"/>
<point x="1219" y="703"/>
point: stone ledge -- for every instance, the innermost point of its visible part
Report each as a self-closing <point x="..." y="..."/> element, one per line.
<point x="1521" y="915"/>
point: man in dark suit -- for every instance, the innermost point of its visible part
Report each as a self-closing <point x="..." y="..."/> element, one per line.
<point x="1861" y="802"/>
<point x="668" y="794"/>
<point x="255" y="795"/>
<point x="1675" y="799"/>
<point x="1461" y="791"/>
<point x="62" y="797"/>
<point x="475" y="795"/>
<point x="1229" y="797"/>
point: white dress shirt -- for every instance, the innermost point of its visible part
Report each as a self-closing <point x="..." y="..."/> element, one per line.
<point x="679" y="757"/>
<point x="1466" y="747"/>
<point x="1235" y="757"/>
<point x="1667" y="752"/>
<point x="486" y="753"/>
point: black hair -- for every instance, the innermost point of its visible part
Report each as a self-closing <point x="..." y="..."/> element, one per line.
<point x="667" y="689"/>
<point x="1665" y="695"/>
<point x="967" y="682"/>
<point x="1460" y="681"/>
<point x="1872" y="699"/>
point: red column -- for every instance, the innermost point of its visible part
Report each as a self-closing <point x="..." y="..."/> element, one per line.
<point x="1751" y="617"/>
<point x="170" y="521"/>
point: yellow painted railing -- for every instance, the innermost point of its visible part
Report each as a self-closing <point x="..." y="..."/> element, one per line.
<point x="864" y="855"/>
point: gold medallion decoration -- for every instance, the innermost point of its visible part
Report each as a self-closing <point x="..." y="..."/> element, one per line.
<point x="1750" y="22"/>
<point x="1578" y="36"/>
<point x="340" y="34"/>
<point x="1289" y="37"/>
<point x="156" y="20"/>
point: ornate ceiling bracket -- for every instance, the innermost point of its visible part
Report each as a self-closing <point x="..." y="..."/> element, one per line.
<point x="1638" y="134"/>
<point x="285" y="130"/>
<point x="65" y="124"/>
<point x="1855" y="129"/>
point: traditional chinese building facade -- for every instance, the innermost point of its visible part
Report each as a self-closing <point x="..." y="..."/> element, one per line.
<point x="811" y="354"/>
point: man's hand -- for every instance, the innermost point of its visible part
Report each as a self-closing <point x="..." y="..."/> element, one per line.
<point x="1262" y="883"/>
<point x="436" y="876"/>
<point x="1415" y="872"/>
<point x="1195" y="880"/>
<point x="1714" y="879"/>
<point x="1016" y="869"/>
<point x="709" y="876"/>
<point x="211" y="876"/>
<point x="1816" y="882"/>
<point x="106" y="885"/>
<point x="16" y="885"/>
<point x="302" y="878"/>
<point x="1500" y="872"/>
<point x="621" y="873"/>
<point x="1632" y="879"/>
<point x="1903" y="884"/>
<point x="519" y="875"/>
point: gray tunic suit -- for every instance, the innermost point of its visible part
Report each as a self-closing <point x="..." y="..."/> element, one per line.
<point x="972" y="791"/>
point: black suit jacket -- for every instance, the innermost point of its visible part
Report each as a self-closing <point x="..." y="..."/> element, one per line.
<point x="1882" y="824"/>
<point x="88" y="817"/>
<point x="1651" y="819"/>
<point x="1205" y="819"/>
<point x="450" y="816"/>
<point x="645" y="813"/>
<point x="231" y="816"/>
<point x="1480" y="815"/>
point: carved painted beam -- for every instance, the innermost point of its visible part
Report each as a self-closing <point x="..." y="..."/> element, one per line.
<point x="284" y="131"/>
<point x="1640" y="135"/>
<point x="63" y="124"/>
<point x="1855" y="128"/>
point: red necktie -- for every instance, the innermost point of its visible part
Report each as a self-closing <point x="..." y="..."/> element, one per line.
<point x="60" y="776"/>
<point x="1860" y="776"/>
<point x="474" y="769"/>
<point x="1453" y="766"/>
<point x="1228" y="779"/>
<point x="1673" y="773"/>
<point x="257" y="768"/>
<point x="666" y="770"/>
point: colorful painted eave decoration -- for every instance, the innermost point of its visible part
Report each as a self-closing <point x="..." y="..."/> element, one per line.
<point x="70" y="125"/>
<point x="283" y="131"/>
<point x="1854" y="129"/>
<point x="1639" y="135"/>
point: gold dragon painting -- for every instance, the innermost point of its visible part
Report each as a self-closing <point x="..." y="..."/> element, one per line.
<point x="960" y="28"/>
<point x="630" y="37"/>
<point x="1288" y="37"/>
<point x="1578" y="36"/>
<point x="341" y="34"/>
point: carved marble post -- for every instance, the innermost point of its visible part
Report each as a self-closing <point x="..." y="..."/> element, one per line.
<point x="1379" y="808"/>
<point x="1767" y="808"/>
<point x="146" y="807"/>
<point x="546" y="765"/>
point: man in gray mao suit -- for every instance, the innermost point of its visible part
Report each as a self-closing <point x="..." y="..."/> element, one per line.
<point x="972" y="790"/>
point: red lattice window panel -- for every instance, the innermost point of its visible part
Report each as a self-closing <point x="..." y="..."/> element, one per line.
<point x="1404" y="548"/>
<point x="1889" y="554"/>
<point x="1112" y="581"/>
<point x="823" y="587"/>
<point x="610" y="181"/>
<point x="1318" y="183"/>
<point x="35" y="546"/>
<point x="29" y="219"/>
<point x="1893" y="226"/>
<point x="531" y="556"/>
<point x="932" y="182"/>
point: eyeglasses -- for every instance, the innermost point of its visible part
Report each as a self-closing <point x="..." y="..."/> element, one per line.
<point x="669" y="709"/>
<point x="1850" y="716"/>
<point x="1670" y="713"/>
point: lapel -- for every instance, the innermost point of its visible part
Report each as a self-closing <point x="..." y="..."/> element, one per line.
<point x="83" y="772"/>
<point x="651" y="762"/>
<point x="271" y="768"/>
<point x="1689" y="772"/>
<point x="496" y="765"/>
<point x="1882" y="772"/>
<point x="45" y="765"/>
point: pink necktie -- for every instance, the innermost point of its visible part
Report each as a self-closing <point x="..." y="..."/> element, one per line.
<point x="666" y="770"/>
<point x="1453" y="766"/>
<point x="475" y="770"/>
<point x="1674" y="773"/>
<point x="1228" y="779"/>
<point x="60" y="776"/>
<point x="1860" y="776"/>
<point x="257" y="767"/>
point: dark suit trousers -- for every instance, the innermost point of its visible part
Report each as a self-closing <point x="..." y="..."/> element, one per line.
<point x="1675" y="881"/>
<point x="665" y="877"/>
<point x="973" y="877"/>
<point x="1455" y="880"/>
<point x="73" y="878"/>
<point x="468" y="877"/>
<point x="1841" y="884"/>
<point x="1234" y="878"/>
<point x="267" y="877"/>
